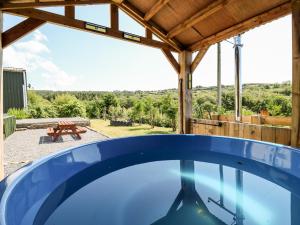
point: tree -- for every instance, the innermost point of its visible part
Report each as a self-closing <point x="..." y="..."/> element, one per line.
<point x="94" y="108"/>
<point x="116" y="112"/>
<point x="228" y="100"/>
<point x="198" y="110"/>
<point x="172" y="115"/>
<point x="137" y="112"/>
<point x="69" y="106"/>
<point x="109" y="100"/>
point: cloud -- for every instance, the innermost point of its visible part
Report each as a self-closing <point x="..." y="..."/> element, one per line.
<point x="39" y="36"/>
<point x="34" y="56"/>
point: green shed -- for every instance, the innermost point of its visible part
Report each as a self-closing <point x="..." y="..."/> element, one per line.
<point x="14" y="88"/>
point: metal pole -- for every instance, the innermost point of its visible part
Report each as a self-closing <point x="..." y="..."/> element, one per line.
<point x="219" y="90"/>
<point x="238" y="78"/>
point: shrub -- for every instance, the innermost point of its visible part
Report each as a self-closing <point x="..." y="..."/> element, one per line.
<point x="39" y="107"/>
<point x="18" y="113"/>
<point x="94" y="109"/>
<point x="68" y="106"/>
<point x="116" y="112"/>
<point x="279" y="106"/>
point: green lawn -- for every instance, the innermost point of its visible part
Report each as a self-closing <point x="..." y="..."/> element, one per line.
<point x="103" y="127"/>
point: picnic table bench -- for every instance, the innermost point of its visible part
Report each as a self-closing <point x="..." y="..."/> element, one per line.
<point x="65" y="128"/>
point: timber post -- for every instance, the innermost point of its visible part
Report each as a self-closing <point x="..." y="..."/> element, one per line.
<point x="185" y="91"/>
<point x="295" y="134"/>
<point x="1" y="101"/>
<point x="219" y="83"/>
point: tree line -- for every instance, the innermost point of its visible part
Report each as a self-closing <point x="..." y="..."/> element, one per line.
<point x="157" y="108"/>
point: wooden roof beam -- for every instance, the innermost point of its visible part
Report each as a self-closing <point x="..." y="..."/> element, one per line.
<point x="19" y="30"/>
<point x="155" y="9"/>
<point x="70" y="11"/>
<point x="138" y="16"/>
<point x="36" y="4"/>
<point x="114" y="17"/>
<point x="81" y="25"/>
<point x="172" y="60"/>
<point x="268" y="16"/>
<point x="201" y="15"/>
<point x="148" y="34"/>
<point x="198" y="58"/>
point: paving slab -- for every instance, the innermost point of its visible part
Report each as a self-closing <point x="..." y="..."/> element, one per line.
<point x="50" y="122"/>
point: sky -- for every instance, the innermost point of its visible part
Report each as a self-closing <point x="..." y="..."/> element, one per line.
<point x="60" y="58"/>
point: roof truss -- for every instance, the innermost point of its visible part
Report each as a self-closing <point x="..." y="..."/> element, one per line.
<point x="36" y="4"/>
<point x="43" y="16"/>
<point x="168" y="38"/>
<point x="18" y="31"/>
<point x="172" y="60"/>
<point x="201" y="53"/>
<point x="138" y="16"/>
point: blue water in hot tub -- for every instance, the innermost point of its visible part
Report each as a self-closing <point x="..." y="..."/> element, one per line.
<point x="144" y="194"/>
<point x="158" y="180"/>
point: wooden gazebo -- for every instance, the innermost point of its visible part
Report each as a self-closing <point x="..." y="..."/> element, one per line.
<point x="183" y="26"/>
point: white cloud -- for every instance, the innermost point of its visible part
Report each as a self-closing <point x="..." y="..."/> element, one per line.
<point x="34" y="56"/>
<point x="39" y="36"/>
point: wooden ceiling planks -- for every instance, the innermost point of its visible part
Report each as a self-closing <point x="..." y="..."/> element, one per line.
<point x="177" y="11"/>
<point x="198" y="16"/>
<point x="218" y="21"/>
<point x="143" y="6"/>
<point x="243" y="26"/>
<point x="242" y="10"/>
<point x="155" y="9"/>
<point x="188" y="36"/>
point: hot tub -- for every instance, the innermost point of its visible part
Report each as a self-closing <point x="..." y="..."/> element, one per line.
<point x="158" y="180"/>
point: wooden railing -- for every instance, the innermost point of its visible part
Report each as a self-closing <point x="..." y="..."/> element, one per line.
<point x="280" y="135"/>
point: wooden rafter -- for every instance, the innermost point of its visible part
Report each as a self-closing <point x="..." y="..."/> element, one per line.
<point x="18" y="31"/>
<point x="138" y="16"/>
<point x="36" y="4"/>
<point x="70" y="11"/>
<point x="246" y="25"/>
<point x="155" y="9"/>
<point x="114" y="17"/>
<point x="172" y="60"/>
<point x="148" y="33"/>
<point x="201" y="15"/>
<point x="198" y="58"/>
<point x="81" y="25"/>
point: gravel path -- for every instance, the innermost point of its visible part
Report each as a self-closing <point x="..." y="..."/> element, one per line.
<point x="23" y="147"/>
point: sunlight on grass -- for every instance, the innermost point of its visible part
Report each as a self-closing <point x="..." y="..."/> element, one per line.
<point x="103" y="127"/>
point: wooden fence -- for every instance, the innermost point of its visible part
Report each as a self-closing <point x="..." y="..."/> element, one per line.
<point x="9" y="125"/>
<point x="257" y="119"/>
<point x="280" y="135"/>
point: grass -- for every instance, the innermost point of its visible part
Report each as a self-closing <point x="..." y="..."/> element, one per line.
<point x="122" y="131"/>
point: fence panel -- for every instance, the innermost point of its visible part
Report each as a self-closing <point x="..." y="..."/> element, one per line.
<point x="280" y="135"/>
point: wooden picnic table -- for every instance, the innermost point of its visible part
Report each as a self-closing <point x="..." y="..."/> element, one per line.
<point x="65" y="128"/>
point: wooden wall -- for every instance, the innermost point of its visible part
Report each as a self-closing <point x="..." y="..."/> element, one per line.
<point x="280" y="135"/>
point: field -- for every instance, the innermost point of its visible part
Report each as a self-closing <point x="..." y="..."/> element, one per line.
<point x="103" y="127"/>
